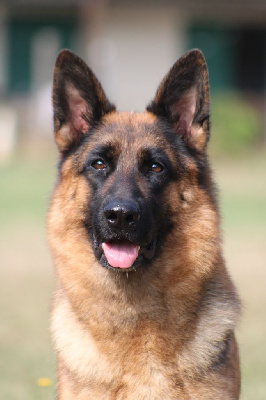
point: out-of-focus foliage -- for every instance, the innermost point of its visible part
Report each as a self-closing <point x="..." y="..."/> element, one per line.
<point x="236" y="125"/>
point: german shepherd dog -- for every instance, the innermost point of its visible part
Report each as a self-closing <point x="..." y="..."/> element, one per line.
<point x="144" y="307"/>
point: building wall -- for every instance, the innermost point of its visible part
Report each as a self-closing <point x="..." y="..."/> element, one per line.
<point x="129" y="45"/>
<point x="134" y="49"/>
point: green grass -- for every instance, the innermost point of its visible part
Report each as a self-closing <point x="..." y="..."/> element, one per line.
<point x="26" y="281"/>
<point x="26" y="273"/>
<point x="242" y="185"/>
<point x="26" y="352"/>
<point x="25" y="189"/>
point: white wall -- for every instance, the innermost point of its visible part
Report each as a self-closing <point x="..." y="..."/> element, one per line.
<point x="133" y="49"/>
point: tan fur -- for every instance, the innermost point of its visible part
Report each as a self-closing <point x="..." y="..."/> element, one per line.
<point x="156" y="334"/>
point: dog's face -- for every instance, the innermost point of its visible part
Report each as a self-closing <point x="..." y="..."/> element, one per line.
<point x="119" y="170"/>
<point x="127" y="173"/>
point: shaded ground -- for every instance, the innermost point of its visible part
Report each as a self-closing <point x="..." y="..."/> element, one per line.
<point x="26" y="274"/>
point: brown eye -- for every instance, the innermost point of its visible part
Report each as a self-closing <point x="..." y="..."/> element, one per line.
<point x="98" y="164"/>
<point x="155" y="167"/>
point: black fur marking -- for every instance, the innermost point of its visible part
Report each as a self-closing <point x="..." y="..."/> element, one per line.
<point x="65" y="154"/>
<point x="106" y="152"/>
<point x="222" y="357"/>
<point x="152" y="225"/>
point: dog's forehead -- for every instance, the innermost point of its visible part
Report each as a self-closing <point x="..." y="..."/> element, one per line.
<point x="125" y="135"/>
<point x="132" y="129"/>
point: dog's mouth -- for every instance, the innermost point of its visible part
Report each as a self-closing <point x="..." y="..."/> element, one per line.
<point x="124" y="255"/>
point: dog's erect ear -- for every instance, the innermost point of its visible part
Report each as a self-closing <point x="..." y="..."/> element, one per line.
<point x="78" y="99"/>
<point x="183" y="99"/>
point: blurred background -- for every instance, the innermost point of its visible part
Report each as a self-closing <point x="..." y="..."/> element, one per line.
<point x="130" y="45"/>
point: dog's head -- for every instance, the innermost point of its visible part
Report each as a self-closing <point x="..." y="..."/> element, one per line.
<point x="128" y="178"/>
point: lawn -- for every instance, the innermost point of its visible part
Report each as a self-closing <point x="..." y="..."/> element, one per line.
<point x="26" y="274"/>
<point x="26" y="281"/>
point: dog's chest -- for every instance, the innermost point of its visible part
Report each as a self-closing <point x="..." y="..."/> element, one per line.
<point x="138" y="367"/>
<point x="115" y="368"/>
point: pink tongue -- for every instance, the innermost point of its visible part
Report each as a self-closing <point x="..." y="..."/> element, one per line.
<point x="120" y="255"/>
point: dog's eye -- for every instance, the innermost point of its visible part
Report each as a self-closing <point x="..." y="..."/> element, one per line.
<point x="156" y="167"/>
<point x="98" y="164"/>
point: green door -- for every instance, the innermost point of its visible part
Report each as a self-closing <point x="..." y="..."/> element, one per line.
<point x="219" y="45"/>
<point x="22" y="33"/>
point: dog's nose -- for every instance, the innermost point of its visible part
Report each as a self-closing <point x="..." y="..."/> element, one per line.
<point x="122" y="214"/>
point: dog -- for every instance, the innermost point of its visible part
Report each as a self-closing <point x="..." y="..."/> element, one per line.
<point x="144" y="307"/>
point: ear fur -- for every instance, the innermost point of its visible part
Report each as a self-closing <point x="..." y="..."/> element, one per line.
<point x="78" y="99"/>
<point x="183" y="99"/>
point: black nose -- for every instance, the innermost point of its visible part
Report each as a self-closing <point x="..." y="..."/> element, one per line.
<point x="122" y="214"/>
